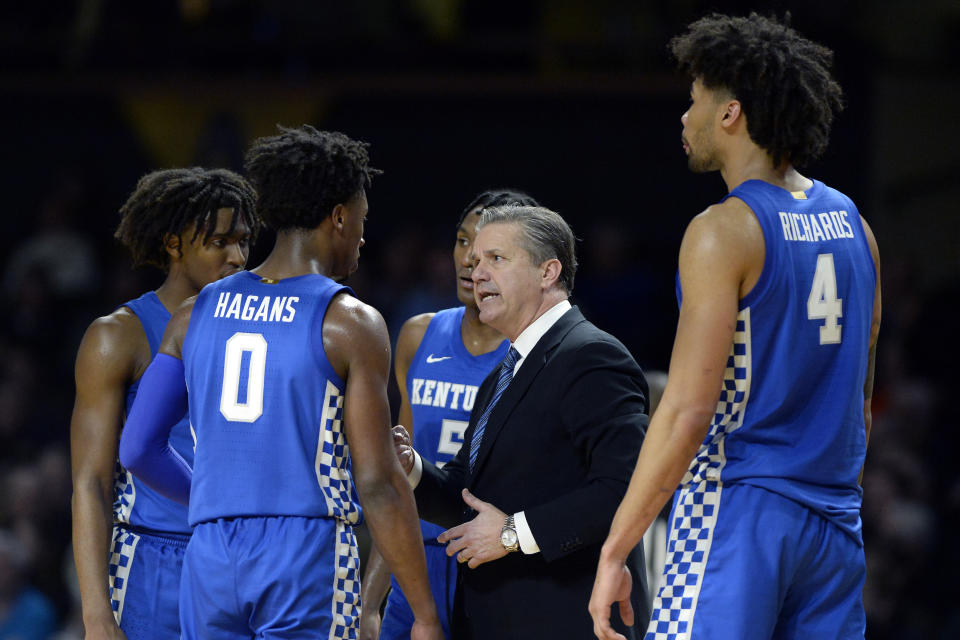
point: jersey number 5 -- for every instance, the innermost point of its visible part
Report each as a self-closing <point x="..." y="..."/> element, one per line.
<point x="451" y="437"/>
<point x="823" y="303"/>
<point x="243" y="402"/>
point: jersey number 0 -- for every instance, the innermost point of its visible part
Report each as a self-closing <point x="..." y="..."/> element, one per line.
<point x="241" y="399"/>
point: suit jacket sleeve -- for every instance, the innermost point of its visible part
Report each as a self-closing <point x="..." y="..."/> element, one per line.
<point x="438" y="495"/>
<point x="604" y="411"/>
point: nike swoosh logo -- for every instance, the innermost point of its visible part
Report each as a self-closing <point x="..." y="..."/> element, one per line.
<point x="431" y="359"/>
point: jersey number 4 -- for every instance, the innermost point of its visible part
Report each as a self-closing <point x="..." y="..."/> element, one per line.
<point x="244" y="368"/>
<point x="823" y="303"/>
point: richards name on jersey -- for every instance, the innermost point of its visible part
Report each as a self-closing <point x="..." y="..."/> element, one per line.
<point x="815" y="227"/>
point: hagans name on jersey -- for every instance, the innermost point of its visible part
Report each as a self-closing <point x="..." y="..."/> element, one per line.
<point x="255" y="308"/>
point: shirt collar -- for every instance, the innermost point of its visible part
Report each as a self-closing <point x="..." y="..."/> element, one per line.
<point x="530" y="336"/>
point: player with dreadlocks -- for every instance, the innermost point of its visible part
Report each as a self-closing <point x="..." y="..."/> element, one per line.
<point x="762" y="429"/>
<point x="287" y="377"/>
<point x="196" y="225"/>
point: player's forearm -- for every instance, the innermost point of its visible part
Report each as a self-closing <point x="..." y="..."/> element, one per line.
<point x="670" y="444"/>
<point x="391" y="515"/>
<point x="92" y="530"/>
<point x="376" y="580"/>
<point x="162" y="469"/>
<point x="144" y="443"/>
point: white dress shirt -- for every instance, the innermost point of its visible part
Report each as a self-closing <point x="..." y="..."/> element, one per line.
<point x="524" y="344"/>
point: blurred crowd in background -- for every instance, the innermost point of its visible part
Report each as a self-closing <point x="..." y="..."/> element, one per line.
<point x="574" y="102"/>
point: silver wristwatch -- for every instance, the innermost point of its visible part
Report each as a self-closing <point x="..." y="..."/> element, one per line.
<point x="508" y="535"/>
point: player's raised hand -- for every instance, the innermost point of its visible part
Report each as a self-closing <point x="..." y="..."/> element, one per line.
<point x="401" y="444"/>
<point x="613" y="584"/>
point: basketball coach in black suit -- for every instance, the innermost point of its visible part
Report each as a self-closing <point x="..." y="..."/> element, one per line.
<point x="552" y="441"/>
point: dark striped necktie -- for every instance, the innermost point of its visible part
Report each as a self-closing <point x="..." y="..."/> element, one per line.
<point x="503" y="381"/>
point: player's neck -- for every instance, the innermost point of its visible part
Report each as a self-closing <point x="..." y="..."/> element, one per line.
<point x="478" y="337"/>
<point x="754" y="163"/>
<point x="295" y="254"/>
<point x="175" y="289"/>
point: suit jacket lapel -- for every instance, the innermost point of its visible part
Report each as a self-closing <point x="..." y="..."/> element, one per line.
<point x="532" y="365"/>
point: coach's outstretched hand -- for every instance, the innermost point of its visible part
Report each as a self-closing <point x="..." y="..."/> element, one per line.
<point x="477" y="541"/>
<point x="613" y="584"/>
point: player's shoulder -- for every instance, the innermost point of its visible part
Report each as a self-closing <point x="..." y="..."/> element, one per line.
<point x="416" y="326"/>
<point x="731" y="213"/>
<point x="353" y="332"/>
<point x="728" y="227"/>
<point x="116" y="341"/>
<point x="347" y="312"/>
<point x="115" y="329"/>
<point x="411" y="335"/>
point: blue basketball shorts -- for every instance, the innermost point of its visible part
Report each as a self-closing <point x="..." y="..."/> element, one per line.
<point x="144" y="580"/>
<point x="271" y="577"/>
<point x="442" y="571"/>
<point x="744" y="563"/>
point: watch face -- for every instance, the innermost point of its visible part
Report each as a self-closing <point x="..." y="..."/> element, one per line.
<point x="508" y="537"/>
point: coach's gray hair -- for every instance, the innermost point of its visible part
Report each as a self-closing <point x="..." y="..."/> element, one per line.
<point x="545" y="236"/>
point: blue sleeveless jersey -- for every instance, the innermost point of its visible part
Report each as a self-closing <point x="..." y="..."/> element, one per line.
<point x="134" y="503"/>
<point x="790" y="415"/>
<point x="266" y="404"/>
<point x="442" y="385"/>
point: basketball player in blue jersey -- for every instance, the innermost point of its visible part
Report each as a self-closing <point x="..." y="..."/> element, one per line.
<point x="764" y="421"/>
<point x="195" y="224"/>
<point x="441" y="360"/>
<point x="287" y="373"/>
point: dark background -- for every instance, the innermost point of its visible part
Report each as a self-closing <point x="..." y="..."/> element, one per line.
<point x="574" y="102"/>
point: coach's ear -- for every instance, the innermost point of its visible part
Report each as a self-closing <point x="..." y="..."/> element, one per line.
<point x="550" y="272"/>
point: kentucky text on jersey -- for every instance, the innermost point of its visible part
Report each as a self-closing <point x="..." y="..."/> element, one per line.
<point x="805" y="227"/>
<point x="255" y="308"/>
<point x="437" y="393"/>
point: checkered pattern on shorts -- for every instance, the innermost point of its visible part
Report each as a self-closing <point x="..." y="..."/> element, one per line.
<point x="118" y="567"/>
<point x="346" y="591"/>
<point x="687" y="548"/>
<point x="333" y="461"/>
<point x="695" y="513"/>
